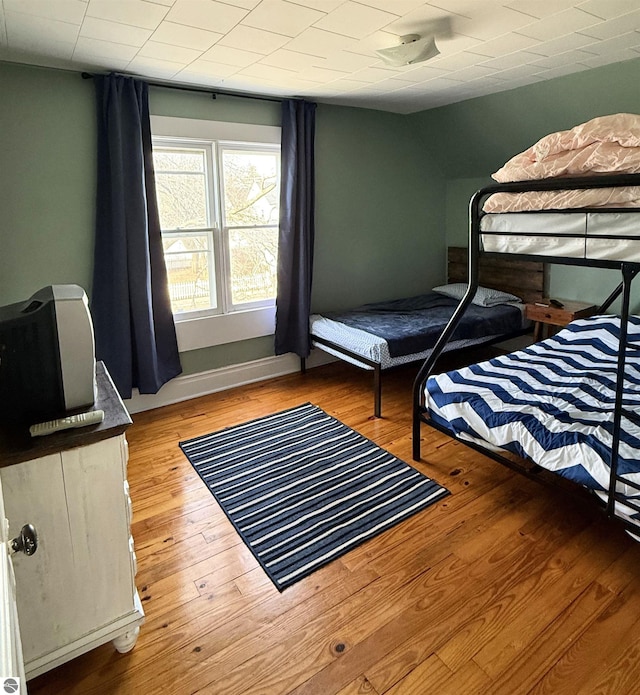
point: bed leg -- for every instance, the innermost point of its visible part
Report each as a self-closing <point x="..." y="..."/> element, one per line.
<point x="416" y="436"/>
<point x="377" y="392"/>
<point x="303" y="365"/>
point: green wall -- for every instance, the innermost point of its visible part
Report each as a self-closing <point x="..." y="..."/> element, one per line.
<point x="479" y="135"/>
<point x="379" y="228"/>
<point x="391" y="191"/>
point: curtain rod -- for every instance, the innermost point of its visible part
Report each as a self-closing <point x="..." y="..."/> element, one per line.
<point x="184" y="88"/>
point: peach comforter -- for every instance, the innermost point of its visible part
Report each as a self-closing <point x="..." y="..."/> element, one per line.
<point x="607" y="144"/>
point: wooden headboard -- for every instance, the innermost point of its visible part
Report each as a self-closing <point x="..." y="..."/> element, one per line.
<point x="526" y="279"/>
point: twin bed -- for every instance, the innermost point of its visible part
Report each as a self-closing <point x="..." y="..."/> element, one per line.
<point x="380" y="336"/>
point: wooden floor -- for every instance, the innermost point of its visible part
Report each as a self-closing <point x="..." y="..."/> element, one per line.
<point x="505" y="587"/>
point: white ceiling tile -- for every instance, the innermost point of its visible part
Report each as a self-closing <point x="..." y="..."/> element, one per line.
<point x="489" y="25"/>
<point x="320" y="74"/>
<point x="326" y="48"/>
<point x="609" y="9"/>
<point x="71" y="11"/>
<point x="518" y="72"/>
<point x="23" y="29"/>
<point x="355" y="20"/>
<point x="321" y="5"/>
<point x="619" y="43"/>
<point x="399" y="7"/>
<point x="36" y="44"/>
<point x="424" y="73"/>
<point x="540" y="8"/>
<point x="104" y="30"/>
<point x="92" y="48"/>
<point x="513" y="60"/>
<point x="208" y="69"/>
<point x="268" y="72"/>
<point x="560" y="59"/>
<point x="206" y="14"/>
<point x="563" y="70"/>
<point x="320" y="43"/>
<point x="561" y="45"/>
<point x="456" y="43"/>
<point x="257" y="40"/>
<point x="614" y="27"/>
<point x="472" y="72"/>
<point x="165" y="51"/>
<point x="608" y="58"/>
<point x="153" y="67"/>
<point x="134" y="12"/>
<point x="187" y="37"/>
<point x="282" y="17"/>
<point x="372" y="75"/>
<point x="231" y="56"/>
<point x="290" y="60"/>
<point x="558" y="25"/>
<point x="245" y="4"/>
<point x="457" y="61"/>
<point x="346" y="61"/>
<point x="426" y="19"/>
<point x="347" y="84"/>
<point x="507" y="43"/>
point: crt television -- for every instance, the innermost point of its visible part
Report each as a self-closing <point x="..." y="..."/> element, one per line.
<point x="47" y="356"/>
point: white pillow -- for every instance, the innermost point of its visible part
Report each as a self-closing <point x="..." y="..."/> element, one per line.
<point x="484" y="295"/>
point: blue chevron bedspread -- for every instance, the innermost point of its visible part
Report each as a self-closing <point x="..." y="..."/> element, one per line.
<point x="551" y="403"/>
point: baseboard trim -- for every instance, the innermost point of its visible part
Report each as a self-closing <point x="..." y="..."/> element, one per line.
<point x="183" y="388"/>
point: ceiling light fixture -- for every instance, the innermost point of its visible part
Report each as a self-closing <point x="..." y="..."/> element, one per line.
<point x="412" y="49"/>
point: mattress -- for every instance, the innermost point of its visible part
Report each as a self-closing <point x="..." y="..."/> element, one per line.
<point x="551" y="403"/>
<point x="375" y="348"/>
<point x="585" y="235"/>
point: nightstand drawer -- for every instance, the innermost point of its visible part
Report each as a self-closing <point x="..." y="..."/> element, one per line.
<point x="559" y="316"/>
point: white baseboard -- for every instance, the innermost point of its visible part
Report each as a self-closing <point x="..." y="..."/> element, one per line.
<point x="183" y="388"/>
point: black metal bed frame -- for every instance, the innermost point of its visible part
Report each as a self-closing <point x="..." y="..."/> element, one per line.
<point x="377" y="368"/>
<point x="628" y="269"/>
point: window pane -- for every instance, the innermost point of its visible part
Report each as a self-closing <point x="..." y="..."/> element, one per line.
<point x="251" y="187"/>
<point x="189" y="260"/>
<point x="181" y="188"/>
<point x="254" y="259"/>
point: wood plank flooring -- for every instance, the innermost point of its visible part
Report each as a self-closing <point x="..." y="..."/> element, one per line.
<point x="504" y="587"/>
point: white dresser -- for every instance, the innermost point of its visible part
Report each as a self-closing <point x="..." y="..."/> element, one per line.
<point x="77" y="590"/>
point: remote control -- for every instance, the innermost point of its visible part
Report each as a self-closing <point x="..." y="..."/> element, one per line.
<point x="93" y="417"/>
<point x="556" y="303"/>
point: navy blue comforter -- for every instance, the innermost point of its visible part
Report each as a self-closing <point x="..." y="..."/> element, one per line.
<point x="414" y="324"/>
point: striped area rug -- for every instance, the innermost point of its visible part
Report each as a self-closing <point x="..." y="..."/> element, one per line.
<point x="302" y="488"/>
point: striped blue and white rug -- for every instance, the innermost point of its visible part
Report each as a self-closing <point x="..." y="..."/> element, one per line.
<point x="302" y="488"/>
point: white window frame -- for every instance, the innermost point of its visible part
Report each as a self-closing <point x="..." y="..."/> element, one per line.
<point x="212" y="327"/>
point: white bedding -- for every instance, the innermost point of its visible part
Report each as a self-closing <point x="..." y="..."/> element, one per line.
<point x="588" y="232"/>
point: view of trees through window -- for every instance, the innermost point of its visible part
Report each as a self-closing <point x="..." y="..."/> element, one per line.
<point x="236" y="197"/>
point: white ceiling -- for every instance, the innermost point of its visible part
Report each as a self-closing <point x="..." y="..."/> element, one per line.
<point x="324" y="49"/>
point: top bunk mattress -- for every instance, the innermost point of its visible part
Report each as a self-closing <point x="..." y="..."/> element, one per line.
<point x="605" y="236"/>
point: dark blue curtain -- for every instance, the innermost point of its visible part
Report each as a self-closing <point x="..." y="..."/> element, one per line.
<point x="133" y="323"/>
<point x="295" y="246"/>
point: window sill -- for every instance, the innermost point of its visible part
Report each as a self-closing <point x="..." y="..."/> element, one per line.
<point x="207" y="331"/>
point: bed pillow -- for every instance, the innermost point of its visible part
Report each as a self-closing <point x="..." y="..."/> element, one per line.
<point x="485" y="296"/>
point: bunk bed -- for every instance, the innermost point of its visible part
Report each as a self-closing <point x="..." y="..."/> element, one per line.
<point x="571" y="403"/>
<point x="384" y="335"/>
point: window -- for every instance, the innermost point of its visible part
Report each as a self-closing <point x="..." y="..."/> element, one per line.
<point x="218" y="203"/>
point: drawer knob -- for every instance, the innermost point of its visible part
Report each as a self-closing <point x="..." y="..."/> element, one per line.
<point x="27" y="541"/>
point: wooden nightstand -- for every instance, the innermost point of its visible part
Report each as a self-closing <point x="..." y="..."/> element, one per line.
<point x="545" y="316"/>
